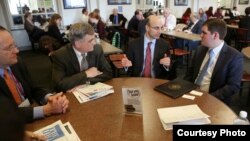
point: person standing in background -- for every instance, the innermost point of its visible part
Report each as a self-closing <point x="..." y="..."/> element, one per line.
<point x="85" y="17"/>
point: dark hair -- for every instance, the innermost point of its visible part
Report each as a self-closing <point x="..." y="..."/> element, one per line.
<point x="54" y="18"/>
<point x="2" y="28"/>
<point x="247" y="11"/>
<point x="27" y="14"/>
<point x="84" y="10"/>
<point x="216" y="25"/>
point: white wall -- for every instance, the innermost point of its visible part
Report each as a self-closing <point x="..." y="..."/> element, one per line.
<point x="241" y="8"/>
<point x="2" y="18"/>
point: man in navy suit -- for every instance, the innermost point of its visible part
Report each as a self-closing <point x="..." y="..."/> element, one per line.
<point x="117" y="18"/>
<point x="223" y="75"/>
<point x="22" y="87"/>
<point x="194" y="27"/>
<point x="161" y="62"/>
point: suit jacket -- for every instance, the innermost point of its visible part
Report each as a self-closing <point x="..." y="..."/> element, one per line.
<point x="54" y="31"/>
<point x="120" y="18"/>
<point x="135" y="54"/>
<point x="227" y="73"/>
<point x="20" y="71"/>
<point x="245" y="23"/>
<point x="66" y="72"/>
<point x="197" y="27"/>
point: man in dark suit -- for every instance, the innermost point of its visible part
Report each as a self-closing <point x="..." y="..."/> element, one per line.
<point x="194" y="27"/>
<point x="216" y="67"/>
<point x="160" y="61"/>
<point x="245" y="21"/>
<point x="81" y="61"/>
<point x="117" y="18"/>
<point x="17" y="86"/>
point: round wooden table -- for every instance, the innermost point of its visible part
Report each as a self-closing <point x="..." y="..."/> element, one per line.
<point x="103" y="119"/>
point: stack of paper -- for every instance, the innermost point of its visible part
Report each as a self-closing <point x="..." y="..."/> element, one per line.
<point x="190" y="115"/>
<point x="58" y="131"/>
<point x="85" y="93"/>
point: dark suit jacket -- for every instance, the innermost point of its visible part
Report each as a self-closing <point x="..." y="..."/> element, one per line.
<point x="31" y="92"/>
<point x="120" y="18"/>
<point x="227" y="73"/>
<point x="66" y="72"/>
<point x="245" y="23"/>
<point x="135" y="54"/>
<point x="197" y="27"/>
<point x="54" y="31"/>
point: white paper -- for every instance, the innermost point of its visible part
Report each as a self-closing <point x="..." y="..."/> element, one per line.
<point x="196" y="93"/>
<point x="188" y="97"/>
<point x="85" y="93"/>
<point x="189" y="114"/>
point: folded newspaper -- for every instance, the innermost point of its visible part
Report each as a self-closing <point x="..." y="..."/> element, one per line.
<point x="85" y="93"/>
<point x="187" y="115"/>
<point x="58" y="131"/>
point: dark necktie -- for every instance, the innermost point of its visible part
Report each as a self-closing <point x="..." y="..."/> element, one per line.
<point x="13" y="85"/>
<point x="205" y="68"/>
<point x="147" y="68"/>
<point x="84" y="63"/>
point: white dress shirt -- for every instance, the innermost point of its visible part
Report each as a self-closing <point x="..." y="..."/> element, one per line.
<point x="170" y="21"/>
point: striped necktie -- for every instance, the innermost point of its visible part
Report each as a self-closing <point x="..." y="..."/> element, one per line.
<point x="84" y="63"/>
<point x="13" y="85"/>
<point x="147" y="68"/>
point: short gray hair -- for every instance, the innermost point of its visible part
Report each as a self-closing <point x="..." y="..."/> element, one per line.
<point x="79" y="30"/>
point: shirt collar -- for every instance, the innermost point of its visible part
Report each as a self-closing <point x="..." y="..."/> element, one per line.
<point x="78" y="53"/>
<point x="2" y="71"/>
<point x="217" y="49"/>
<point x="146" y="40"/>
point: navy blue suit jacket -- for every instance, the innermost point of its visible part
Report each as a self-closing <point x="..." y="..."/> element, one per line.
<point x="227" y="73"/>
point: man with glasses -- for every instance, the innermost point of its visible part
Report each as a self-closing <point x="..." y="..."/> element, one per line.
<point x="80" y="62"/>
<point x="17" y="86"/>
<point x="149" y="56"/>
<point x="216" y="67"/>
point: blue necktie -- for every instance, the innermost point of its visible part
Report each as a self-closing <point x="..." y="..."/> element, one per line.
<point x="116" y="19"/>
<point x="205" y="68"/>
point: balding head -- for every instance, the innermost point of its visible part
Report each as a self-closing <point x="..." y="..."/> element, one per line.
<point x="153" y="27"/>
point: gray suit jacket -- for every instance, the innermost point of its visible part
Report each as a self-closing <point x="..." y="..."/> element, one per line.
<point x="66" y="72"/>
<point x="227" y="73"/>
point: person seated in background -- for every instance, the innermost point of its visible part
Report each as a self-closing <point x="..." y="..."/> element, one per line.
<point x="98" y="25"/>
<point x="149" y="56"/>
<point x="168" y="19"/>
<point x="228" y="13"/>
<point x="85" y="17"/>
<point x="186" y="16"/>
<point x="13" y="124"/>
<point x="202" y="15"/>
<point x="34" y="32"/>
<point x="210" y="12"/>
<point x="218" y="13"/>
<point x="216" y="67"/>
<point x="193" y="27"/>
<point x="245" y="21"/>
<point x="235" y="12"/>
<point x="54" y="31"/>
<point x="117" y="18"/>
<point x="17" y="85"/>
<point x="134" y="22"/>
<point x="142" y="24"/>
<point x="80" y="62"/>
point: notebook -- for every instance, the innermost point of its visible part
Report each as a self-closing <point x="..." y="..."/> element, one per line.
<point x="176" y="87"/>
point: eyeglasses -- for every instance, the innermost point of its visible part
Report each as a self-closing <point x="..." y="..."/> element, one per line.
<point x="11" y="47"/>
<point x="156" y="27"/>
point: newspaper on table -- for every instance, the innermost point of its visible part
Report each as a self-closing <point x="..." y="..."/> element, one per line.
<point x="85" y="93"/>
<point x="187" y="115"/>
<point x="132" y="100"/>
<point x="58" y="131"/>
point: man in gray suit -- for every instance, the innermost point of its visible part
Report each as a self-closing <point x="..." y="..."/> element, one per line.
<point x="81" y="61"/>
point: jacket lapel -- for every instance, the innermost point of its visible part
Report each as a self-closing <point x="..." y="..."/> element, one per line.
<point x="73" y="58"/>
<point x="141" y="53"/>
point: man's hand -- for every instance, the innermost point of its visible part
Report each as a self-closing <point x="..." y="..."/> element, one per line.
<point x="125" y="62"/>
<point x="30" y="136"/>
<point x="165" y="61"/>
<point x="92" y="72"/>
<point x="57" y="103"/>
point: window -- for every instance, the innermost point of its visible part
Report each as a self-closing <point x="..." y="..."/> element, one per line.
<point x="40" y="9"/>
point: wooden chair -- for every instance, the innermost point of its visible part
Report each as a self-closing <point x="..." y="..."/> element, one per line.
<point x="176" y="52"/>
<point x="245" y="79"/>
<point x="242" y="38"/>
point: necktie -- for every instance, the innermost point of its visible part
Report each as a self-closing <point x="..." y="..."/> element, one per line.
<point x="13" y="86"/>
<point x="205" y="68"/>
<point x="116" y="19"/>
<point x="147" y="68"/>
<point x="84" y="63"/>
